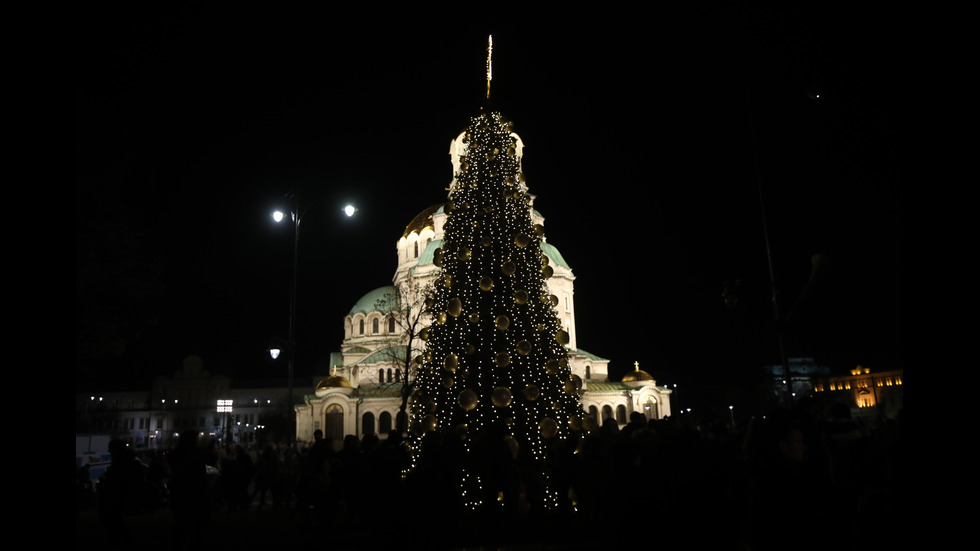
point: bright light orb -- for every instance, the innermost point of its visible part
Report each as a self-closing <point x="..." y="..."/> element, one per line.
<point x="277" y="216"/>
<point x="349" y="210"/>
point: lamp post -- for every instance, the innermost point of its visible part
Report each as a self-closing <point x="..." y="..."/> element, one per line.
<point x="296" y="216"/>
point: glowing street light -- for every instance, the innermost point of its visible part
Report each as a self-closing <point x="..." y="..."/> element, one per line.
<point x="296" y="215"/>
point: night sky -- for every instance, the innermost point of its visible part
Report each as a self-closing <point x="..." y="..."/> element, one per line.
<point x="648" y="140"/>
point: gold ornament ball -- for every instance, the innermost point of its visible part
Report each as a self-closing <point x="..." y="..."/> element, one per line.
<point x="502" y="322"/>
<point x="531" y="392"/>
<point x="448" y="382"/>
<point x="475" y="317"/>
<point x="502" y="359"/>
<point x="451" y="362"/>
<point x="523" y="348"/>
<point x="486" y="283"/>
<point x="468" y="400"/>
<point x="430" y="423"/>
<point x="547" y="272"/>
<point x="501" y="397"/>
<point x="548" y="426"/>
<point x="562" y="337"/>
<point x="551" y="366"/>
<point x="508" y="267"/>
<point x="513" y="445"/>
<point x="522" y="240"/>
<point x="441" y="318"/>
<point x="520" y="296"/>
<point x="455" y="307"/>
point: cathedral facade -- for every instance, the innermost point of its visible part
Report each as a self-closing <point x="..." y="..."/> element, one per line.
<point x="384" y="338"/>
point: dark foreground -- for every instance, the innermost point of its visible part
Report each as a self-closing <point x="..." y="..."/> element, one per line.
<point x="270" y="530"/>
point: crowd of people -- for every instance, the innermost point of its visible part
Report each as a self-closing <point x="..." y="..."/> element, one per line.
<point x="797" y="479"/>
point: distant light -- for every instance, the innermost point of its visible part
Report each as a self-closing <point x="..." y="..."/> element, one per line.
<point x="349" y="210"/>
<point x="277" y="216"/>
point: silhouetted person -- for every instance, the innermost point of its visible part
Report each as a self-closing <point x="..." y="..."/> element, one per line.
<point x="313" y="485"/>
<point x="787" y="504"/>
<point x="189" y="492"/>
<point x="236" y="473"/>
<point x="120" y="491"/>
<point x="84" y="492"/>
<point x="267" y="474"/>
<point x="637" y="421"/>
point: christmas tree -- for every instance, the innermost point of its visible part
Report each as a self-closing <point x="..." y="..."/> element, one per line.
<point x="494" y="373"/>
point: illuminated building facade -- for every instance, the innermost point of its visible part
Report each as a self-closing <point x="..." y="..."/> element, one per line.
<point x="866" y="393"/>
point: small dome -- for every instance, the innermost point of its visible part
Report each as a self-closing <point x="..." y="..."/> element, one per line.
<point x="637" y="375"/>
<point x="333" y="381"/>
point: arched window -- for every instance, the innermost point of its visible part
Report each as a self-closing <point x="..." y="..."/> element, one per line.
<point x="621" y="414"/>
<point x="362" y="327"/>
<point x="375" y="326"/>
<point x="594" y="412"/>
<point x="606" y="412"/>
<point x="381" y="375"/>
<point x="416" y="249"/>
<point x="588" y="372"/>
<point x="389" y="374"/>
<point x="398" y="375"/>
<point x="367" y="423"/>
<point x="391" y="324"/>
<point x="384" y="423"/>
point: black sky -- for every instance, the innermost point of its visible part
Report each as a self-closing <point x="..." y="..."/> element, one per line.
<point x="648" y="139"/>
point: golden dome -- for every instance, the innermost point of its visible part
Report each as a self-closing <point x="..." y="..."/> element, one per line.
<point x="333" y="381"/>
<point x="637" y="375"/>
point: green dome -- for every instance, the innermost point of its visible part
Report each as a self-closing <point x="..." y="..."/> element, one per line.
<point x="554" y="255"/>
<point x="378" y="300"/>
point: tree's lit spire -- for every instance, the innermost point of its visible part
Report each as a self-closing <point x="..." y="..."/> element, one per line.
<point x="489" y="64"/>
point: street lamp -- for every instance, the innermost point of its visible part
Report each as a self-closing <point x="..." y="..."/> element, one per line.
<point x="296" y="215"/>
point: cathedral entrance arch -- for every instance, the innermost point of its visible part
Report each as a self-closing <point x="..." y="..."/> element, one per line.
<point x="334" y="425"/>
<point x="651" y="408"/>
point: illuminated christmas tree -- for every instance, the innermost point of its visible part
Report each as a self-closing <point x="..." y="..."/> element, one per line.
<point x="495" y="370"/>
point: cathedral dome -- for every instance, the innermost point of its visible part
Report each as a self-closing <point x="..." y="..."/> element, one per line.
<point x="333" y="381"/>
<point x="382" y="299"/>
<point x="422" y="220"/>
<point x="637" y="375"/>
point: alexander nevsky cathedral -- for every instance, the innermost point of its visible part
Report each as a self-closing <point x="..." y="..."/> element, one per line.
<point x="384" y="338"/>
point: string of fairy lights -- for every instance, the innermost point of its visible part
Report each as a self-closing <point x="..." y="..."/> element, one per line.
<point x="495" y="352"/>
